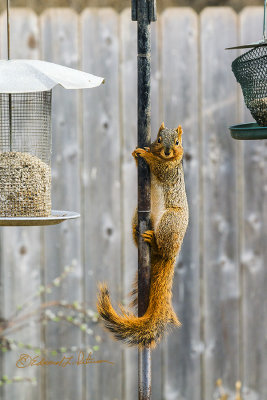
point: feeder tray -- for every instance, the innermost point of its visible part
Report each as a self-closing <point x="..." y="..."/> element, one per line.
<point x="251" y="131"/>
<point x="25" y="139"/>
<point x="56" y="217"/>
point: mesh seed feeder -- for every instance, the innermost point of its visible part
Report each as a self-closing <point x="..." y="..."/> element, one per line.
<point x="250" y="70"/>
<point x="25" y="138"/>
<point x="25" y="141"/>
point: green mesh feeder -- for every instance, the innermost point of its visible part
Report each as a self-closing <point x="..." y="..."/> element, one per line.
<point x="250" y="70"/>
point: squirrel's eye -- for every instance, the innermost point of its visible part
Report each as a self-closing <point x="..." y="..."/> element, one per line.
<point x="177" y="142"/>
<point x="159" y="140"/>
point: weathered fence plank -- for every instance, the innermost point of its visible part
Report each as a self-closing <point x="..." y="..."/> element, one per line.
<point x="253" y="240"/>
<point x="156" y="103"/>
<point x="180" y="106"/>
<point x="59" y="33"/>
<point x="101" y="186"/>
<point x="21" y="247"/>
<point x="220" y="251"/>
<point x="128" y="72"/>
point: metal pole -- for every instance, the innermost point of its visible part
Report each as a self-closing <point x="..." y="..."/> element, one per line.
<point x="8" y="29"/>
<point x="8" y="57"/>
<point x="143" y="11"/>
<point x="264" y="22"/>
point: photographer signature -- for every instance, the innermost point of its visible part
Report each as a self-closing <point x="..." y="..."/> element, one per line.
<point x="25" y="361"/>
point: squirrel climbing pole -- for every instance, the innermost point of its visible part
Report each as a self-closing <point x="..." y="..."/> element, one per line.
<point x="144" y="12"/>
<point x="160" y="222"/>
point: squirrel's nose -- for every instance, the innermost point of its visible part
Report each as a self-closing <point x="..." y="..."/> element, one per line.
<point x="167" y="152"/>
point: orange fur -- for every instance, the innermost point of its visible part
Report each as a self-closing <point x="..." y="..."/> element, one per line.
<point x="169" y="219"/>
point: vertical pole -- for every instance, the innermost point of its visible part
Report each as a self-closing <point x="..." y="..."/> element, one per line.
<point x="8" y="29"/>
<point x="8" y="57"/>
<point x="264" y="22"/>
<point x="143" y="11"/>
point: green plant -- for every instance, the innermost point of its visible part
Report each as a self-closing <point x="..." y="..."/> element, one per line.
<point x="76" y="314"/>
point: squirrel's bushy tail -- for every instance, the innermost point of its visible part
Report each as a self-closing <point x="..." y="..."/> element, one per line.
<point x="149" y="328"/>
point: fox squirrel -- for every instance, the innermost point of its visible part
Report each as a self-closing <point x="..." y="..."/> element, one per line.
<point x="169" y="220"/>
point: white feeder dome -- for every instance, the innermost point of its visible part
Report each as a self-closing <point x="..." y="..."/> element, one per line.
<point x="25" y="140"/>
<point x="24" y="76"/>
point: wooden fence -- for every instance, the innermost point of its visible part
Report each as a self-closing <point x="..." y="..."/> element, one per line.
<point x="220" y="279"/>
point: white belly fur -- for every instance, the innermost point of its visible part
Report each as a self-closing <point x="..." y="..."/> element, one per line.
<point x="157" y="201"/>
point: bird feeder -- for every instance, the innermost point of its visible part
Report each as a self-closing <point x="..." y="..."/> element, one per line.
<point x="250" y="70"/>
<point x="25" y="140"/>
<point x="25" y="137"/>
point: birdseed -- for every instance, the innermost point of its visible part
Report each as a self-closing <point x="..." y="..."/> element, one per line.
<point x="25" y="186"/>
<point x="258" y="109"/>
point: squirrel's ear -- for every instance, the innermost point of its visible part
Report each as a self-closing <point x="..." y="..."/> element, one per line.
<point x="179" y="130"/>
<point x="161" y="127"/>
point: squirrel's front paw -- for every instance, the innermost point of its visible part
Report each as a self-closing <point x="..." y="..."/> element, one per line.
<point x="140" y="152"/>
<point x="149" y="237"/>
